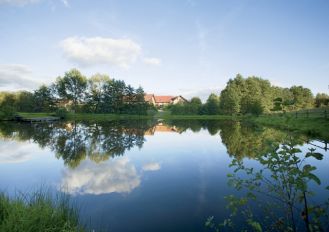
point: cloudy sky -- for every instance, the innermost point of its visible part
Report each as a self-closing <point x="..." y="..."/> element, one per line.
<point x="187" y="47"/>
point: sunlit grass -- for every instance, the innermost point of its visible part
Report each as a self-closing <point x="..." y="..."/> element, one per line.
<point x="38" y="211"/>
<point x="312" y="126"/>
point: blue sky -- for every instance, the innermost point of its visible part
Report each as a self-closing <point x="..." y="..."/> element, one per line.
<point x="186" y="47"/>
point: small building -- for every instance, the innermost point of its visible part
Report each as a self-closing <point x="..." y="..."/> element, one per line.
<point x="160" y="101"/>
<point x="150" y="99"/>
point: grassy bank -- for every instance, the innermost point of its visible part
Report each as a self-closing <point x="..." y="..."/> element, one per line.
<point x="105" y="117"/>
<point x="312" y="126"/>
<point x="39" y="211"/>
<point x="318" y="127"/>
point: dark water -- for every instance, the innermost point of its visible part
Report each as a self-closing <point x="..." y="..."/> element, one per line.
<point x="171" y="176"/>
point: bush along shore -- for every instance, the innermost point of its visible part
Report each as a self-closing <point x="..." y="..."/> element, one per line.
<point x="38" y="211"/>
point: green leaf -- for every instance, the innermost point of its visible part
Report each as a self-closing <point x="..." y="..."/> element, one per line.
<point x="308" y="168"/>
<point x="315" y="178"/>
<point x="327" y="187"/>
<point x="316" y="155"/>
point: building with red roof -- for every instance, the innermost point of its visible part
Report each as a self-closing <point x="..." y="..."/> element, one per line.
<point x="160" y="101"/>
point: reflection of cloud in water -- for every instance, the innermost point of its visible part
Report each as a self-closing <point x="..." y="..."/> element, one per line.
<point x="17" y="152"/>
<point x="116" y="175"/>
<point x="151" y="167"/>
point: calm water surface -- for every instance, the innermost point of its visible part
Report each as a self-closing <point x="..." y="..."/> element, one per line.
<point x="159" y="176"/>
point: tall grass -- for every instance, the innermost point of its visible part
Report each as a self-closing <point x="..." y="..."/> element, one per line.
<point x="38" y="211"/>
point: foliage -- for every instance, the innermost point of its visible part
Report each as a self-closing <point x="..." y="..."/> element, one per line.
<point x="212" y="105"/>
<point x="24" y="101"/>
<point x="254" y="95"/>
<point x="73" y="142"/>
<point x="72" y="87"/>
<point x="302" y="97"/>
<point x="75" y="92"/>
<point x="195" y="107"/>
<point x="7" y="105"/>
<point x="43" y="99"/>
<point x="321" y="99"/>
<point x="39" y="211"/>
<point x="61" y="113"/>
<point x="280" y="188"/>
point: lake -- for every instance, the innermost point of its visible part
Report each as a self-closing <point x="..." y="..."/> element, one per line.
<point x="147" y="175"/>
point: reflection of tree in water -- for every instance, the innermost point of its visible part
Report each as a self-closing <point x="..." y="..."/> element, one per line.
<point x="74" y="142"/>
<point x="240" y="138"/>
<point x="248" y="140"/>
<point x="278" y="195"/>
<point x="213" y="126"/>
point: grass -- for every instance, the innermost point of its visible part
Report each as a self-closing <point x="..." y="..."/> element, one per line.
<point x="35" y="115"/>
<point x="318" y="127"/>
<point x="39" y="211"/>
<point x="105" y="117"/>
<point x="312" y="126"/>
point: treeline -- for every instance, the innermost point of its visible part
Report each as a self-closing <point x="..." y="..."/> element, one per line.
<point x="253" y="95"/>
<point x="77" y="93"/>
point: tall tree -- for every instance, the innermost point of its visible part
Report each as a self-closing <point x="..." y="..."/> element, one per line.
<point x="302" y="97"/>
<point x="212" y="104"/>
<point x="72" y="87"/>
<point x="43" y="99"/>
<point x="95" y="93"/>
<point x="321" y="99"/>
<point x="24" y="101"/>
<point x="230" y="100"/>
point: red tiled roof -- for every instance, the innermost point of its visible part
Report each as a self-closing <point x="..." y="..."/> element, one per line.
<point x="163" y="99"/>
<point x="148" y="97"/>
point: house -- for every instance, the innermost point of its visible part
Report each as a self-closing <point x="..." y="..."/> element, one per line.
<point x="160" y="101"/>
<point x="149" y="98"/>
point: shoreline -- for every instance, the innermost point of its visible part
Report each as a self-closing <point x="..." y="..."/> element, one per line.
<point x="310" y="126"/>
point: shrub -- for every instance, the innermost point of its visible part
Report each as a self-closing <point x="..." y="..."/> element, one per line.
<point x="61" y="113"/>
<point x="7" y="113"/>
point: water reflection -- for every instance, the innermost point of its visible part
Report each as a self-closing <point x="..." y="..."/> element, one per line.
<point x="241" y="139"/>
<point x="74" y="142"/>
<point x="118" y="175"/>
<point x="182" y="168"/>
<point x="280" y="192"/>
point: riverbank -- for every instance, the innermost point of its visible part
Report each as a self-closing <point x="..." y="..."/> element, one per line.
<point x="318" y="127"/>
<point x="311" y="126"/>
<point x="38" y="211"/>
<point x="105" y="117"/>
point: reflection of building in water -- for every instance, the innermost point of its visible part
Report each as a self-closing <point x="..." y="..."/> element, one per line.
<point x="160" y="127"/>
<point x="68" y="126"/>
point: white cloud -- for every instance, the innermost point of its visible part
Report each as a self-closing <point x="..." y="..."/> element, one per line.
<point x="17" y="152"/>
<point x="152" y="61"/>
<point x="18" y="2"/>
<point x="115" y="175"/>
<point x="16" y="76"/>
<point x="151" y="167"/>
<point x="100" y="50"/>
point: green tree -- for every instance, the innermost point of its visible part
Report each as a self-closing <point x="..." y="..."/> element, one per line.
<point x="302" y="97"/>
<point x="44" y="99"/>
<point x="212" y="104"/>
<point x="230" y="101"/>
<point x="72" y="87"/>
<point x="95" y="93"/>
<point x="321" y="99"/>
<point x="195" y="105"/>
<point x="24" y="101"/>
<point x="7" y="105"/>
